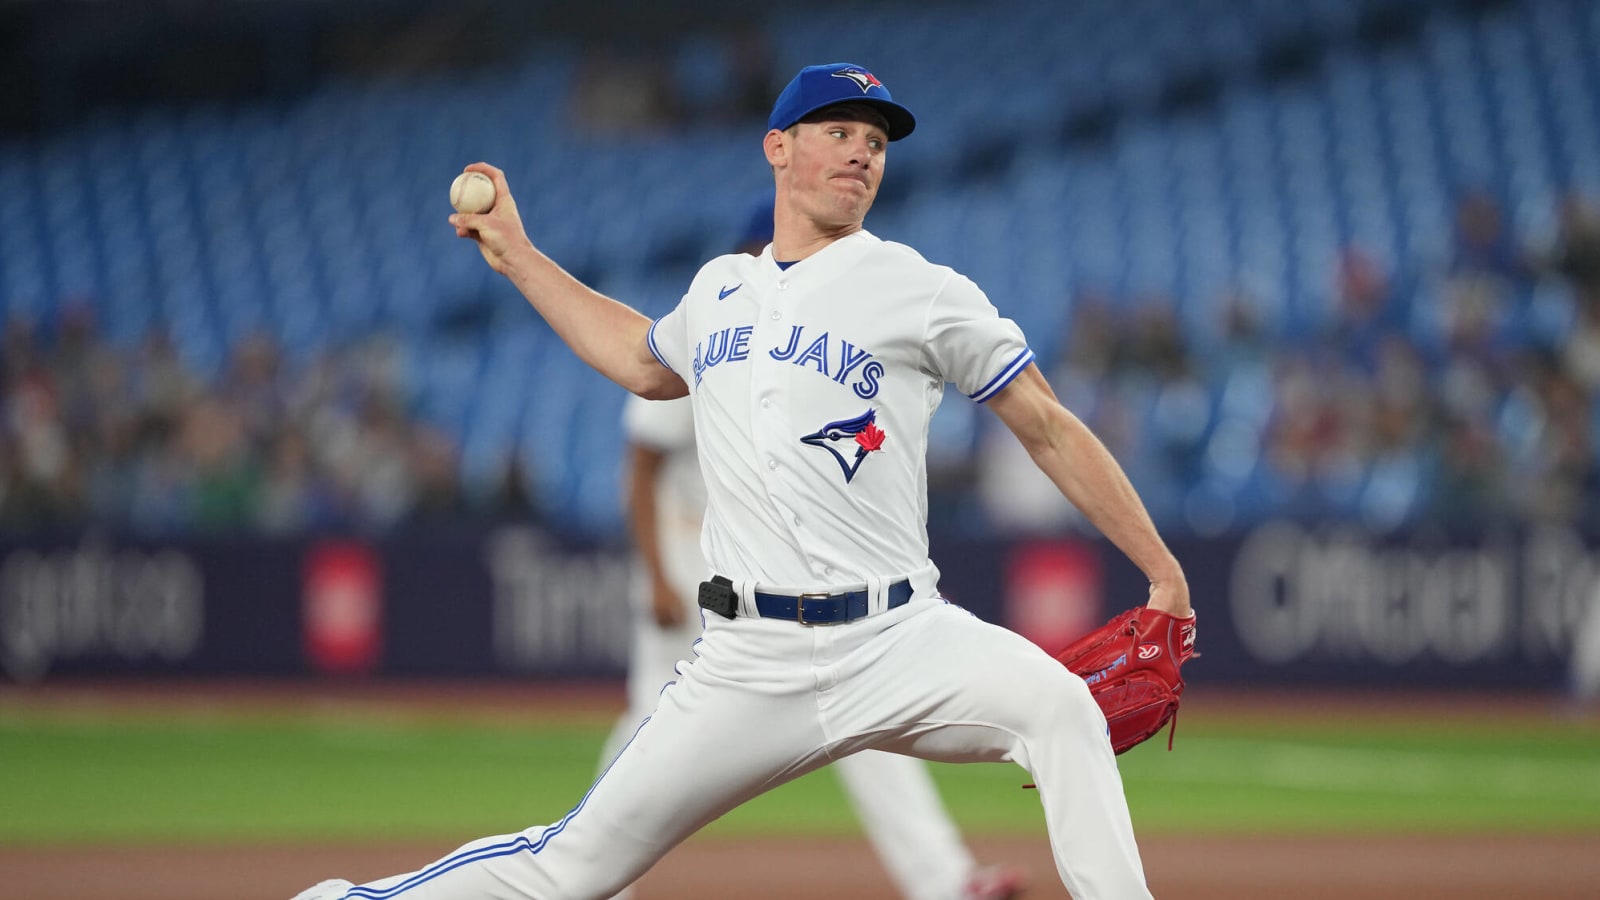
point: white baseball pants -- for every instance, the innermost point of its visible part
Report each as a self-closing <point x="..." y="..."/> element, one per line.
<point x="768" y="700"/>
<point x="893" y="796"/>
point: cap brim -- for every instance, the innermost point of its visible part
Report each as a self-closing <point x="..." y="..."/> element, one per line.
<point x="901" y="121"/>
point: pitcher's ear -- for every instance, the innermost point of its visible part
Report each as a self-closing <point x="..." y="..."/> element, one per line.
<point x="776" y="145"/>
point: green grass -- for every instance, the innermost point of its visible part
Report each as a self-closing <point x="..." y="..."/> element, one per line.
<point x="228" y="777"/>
<point x="1239" y="784"/>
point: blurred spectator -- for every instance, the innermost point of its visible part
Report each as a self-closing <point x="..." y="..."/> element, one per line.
<point x="620" y="91"/>
<point x="1472" y="490"/>
<point x="253" y="388"/>
<point x="512" y="495"/>
<point x="1483" y="247"/>
<point x="1243" y="335"/>
<point x="162" y="385"/>
<point x="221" y="477"/>
<point x="1574" y="263"/>
<point x="1575" y="256"/>
<point x="19" y="353"/>
<point x="1368" y="310"/>
<point x="1152" y="344"/>
<point x="726" y="76"/>
<point x="45" y="485"/>
<point x="1179" y="403"/>
<point x="1015" y="496"/>
<point x="751" y="73"/>
<point x="1306" y="422"/>
<point x="1485" y="283"/>
<point x="1580" y="353"/>
<point x="74" y="364"/>
<point x="376" y="470"/>
<point x="438" y="491"/>
<point x="1561" y="485"/>
<point x="292" y="499"/>
<point x="1091" y="342"/>
<point x="1400" y="421"/>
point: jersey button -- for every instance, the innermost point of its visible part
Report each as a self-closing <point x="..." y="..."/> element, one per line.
<point x="772" y="464"/>
<point x="776" y="315"/>
<point x="766" y="402"/>
<point x="783" y="285"/>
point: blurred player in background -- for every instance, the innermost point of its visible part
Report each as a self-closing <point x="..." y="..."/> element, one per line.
<point x="1585" y="663"/>
<point x="893" y="795"/>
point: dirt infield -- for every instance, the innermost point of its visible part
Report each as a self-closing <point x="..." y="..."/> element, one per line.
<point x="1475" y="868"/>
<point x="1179" y="867"/>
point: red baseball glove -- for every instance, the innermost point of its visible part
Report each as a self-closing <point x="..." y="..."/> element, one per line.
<point x="1131" y="665"/>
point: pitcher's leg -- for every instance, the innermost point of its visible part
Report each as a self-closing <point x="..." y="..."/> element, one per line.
<point x="967" y="691"/>
<point x="1085" y="809"/>
<point x="652" y="665"/>
<point x="899" y="807"/>
<point x="680" y="771"/>
<point x="653" y="658"/>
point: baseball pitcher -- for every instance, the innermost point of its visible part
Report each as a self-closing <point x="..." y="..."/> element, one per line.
<point x="812" y="371"/>
<point x="893" y="795"/>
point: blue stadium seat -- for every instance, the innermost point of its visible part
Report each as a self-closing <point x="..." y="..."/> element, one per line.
<point x="322" y="219"/>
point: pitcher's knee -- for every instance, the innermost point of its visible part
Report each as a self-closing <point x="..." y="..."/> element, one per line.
<point x="1065" y="699"/>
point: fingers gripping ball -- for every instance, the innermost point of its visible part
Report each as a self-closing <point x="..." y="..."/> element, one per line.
<point x="472" y="192"/>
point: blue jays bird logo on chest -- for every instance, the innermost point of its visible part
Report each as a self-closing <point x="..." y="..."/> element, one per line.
<point x="857" y="437"/>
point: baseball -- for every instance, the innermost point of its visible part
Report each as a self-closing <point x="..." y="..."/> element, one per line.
<point x="472" y="192"/>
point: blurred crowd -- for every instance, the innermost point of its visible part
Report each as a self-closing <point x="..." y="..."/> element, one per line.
<point x="716" y="76"/>
<point x="93" y="434"/>
<point x="1462" y="395"/>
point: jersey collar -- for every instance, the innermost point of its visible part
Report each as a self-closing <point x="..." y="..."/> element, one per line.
<point x="838" y="254"/>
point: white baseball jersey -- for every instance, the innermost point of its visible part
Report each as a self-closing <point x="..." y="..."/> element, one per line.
<point x="893" y="795"/>
<point x="812" y="400"/>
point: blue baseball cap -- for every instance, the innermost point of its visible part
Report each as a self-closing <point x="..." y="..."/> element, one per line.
<point x="819" y="86"/>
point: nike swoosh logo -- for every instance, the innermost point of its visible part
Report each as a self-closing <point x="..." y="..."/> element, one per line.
<point x="723" y="294"/>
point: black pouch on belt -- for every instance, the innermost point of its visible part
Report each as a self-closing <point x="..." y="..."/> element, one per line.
<point x="719" y="596"/>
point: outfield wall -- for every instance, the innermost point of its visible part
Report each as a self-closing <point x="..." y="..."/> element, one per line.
<point x="1283" y="604"/>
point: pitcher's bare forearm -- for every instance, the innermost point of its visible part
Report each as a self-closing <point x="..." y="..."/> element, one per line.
<point x="1089" y="476"/>
<point x="610" y="336"/>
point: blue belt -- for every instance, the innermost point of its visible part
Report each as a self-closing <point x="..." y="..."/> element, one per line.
<point x="822" y="609"/>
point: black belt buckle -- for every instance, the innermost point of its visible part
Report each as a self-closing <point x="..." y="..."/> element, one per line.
<point x="720" y="598"/>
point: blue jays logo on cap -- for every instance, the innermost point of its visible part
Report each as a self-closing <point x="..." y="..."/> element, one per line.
<point x="868" y="437"/>
<point x="817" y="87"/>
<point x="864" y="80"/>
